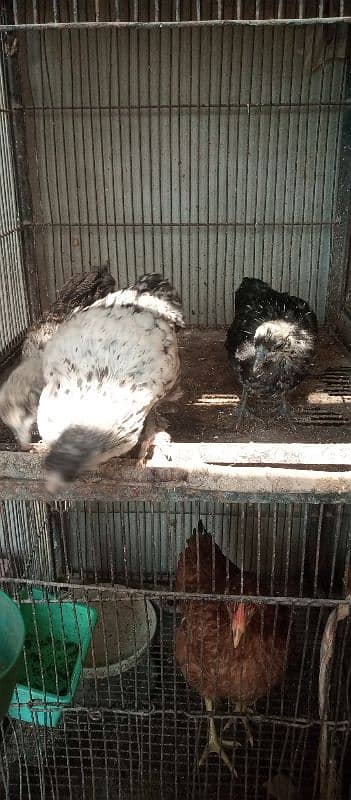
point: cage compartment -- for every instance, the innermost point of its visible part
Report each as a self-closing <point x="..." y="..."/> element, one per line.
<point x="209" y="151"/>
<point x="142" y="735"/>
<point x="140" y="732"/>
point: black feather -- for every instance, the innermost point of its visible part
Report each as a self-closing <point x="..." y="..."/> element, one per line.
<point x="271" y="340"/>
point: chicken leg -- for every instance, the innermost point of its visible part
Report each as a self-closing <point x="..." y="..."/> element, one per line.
<point x="154" y="433"/>
<point x="242" y="410"/>
<point x="214" y="745"/>
<point x="284" y="409"/>
<point x="239" y="709"/>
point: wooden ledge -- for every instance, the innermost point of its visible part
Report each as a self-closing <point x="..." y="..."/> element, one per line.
<point x="22" y="478"/>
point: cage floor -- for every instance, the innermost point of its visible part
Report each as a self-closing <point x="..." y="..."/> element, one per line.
<point x="147" y="744"/>
<point x="207" y="410"/>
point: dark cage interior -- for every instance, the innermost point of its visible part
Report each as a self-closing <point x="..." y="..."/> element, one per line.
<point x="207" y="141"/>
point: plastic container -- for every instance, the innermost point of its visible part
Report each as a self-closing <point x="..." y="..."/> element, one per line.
<point x="48" y="677"/>
<point x="11" y="645"/>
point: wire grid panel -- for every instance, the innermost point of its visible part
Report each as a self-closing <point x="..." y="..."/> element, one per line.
<point x="138" y="544"/>
<point x="25" y="540"/>
<point x="13" y="309"/>
<point x="175" y="11"/>
<point x="128" y="757"/>
<point x="206" y="154"/>
<point x="140" y="731"/>
<point x="146" y="732"/>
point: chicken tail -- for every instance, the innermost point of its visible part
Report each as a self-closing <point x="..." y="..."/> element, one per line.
<point x="155" y="286"/>
<point x="82" y="290"/>
<point x="202" y="566"/>
<point x="75" y="450"/>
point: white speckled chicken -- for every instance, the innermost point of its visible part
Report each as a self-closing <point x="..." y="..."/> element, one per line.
<point x="19" y="396"/>
<point x="104" y="370"/>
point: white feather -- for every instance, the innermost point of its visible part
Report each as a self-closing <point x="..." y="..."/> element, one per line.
<point x="105" y="369"/>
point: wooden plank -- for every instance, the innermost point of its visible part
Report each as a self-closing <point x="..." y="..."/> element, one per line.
<point x="261" y="453"/>
<point x="205" y="23"/>
<point x="21" y="477"/>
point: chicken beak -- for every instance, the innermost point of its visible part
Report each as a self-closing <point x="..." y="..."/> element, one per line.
<point x="238" y="625"/>
<point x="259" y="359"/>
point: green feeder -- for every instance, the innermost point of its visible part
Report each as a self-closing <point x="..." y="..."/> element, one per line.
<point x="11" y="645"/>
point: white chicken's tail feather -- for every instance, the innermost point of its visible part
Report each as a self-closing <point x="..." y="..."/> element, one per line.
<point x="77" y="448"/>
<point x="152" y="293"/>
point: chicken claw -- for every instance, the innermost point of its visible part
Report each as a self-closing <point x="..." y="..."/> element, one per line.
<point x="215" y="745"/>
<point x="38" y="447"/>
<point x="154" y="435"/>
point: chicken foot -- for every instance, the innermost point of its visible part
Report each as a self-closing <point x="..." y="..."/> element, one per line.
<point x="214" y="744"/>
<point x="154" y="433"/>
<point x="239" y="709"/>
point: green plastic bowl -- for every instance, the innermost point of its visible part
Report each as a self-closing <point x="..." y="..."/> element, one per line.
<point x="11" y="645"/>
<point x="51" y="627"/>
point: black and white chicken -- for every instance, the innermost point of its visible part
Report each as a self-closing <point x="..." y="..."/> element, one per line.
<point x="104" y="370"/>
<point x="271" y="341"/>
<point x="20" y="394"/>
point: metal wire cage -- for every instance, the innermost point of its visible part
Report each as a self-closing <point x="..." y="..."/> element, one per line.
<point x="140" y="731"/>
<point x="209" y="140"/>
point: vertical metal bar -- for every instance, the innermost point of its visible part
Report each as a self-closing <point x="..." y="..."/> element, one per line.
<point x="55" y="11"/>
<point x="22" y="178"/>
<point x="288" y="231"/>
<point x="208" y="196"/>
<point x="152" y="151"/>
<point x="15" y="12"/>
<point x="341" y="236"/>
<point x="258" y="156"/>
<point x="131" y="170"/>
<point x="198" y="161"/>
<point x="35" y="12"/>
<point x="303" y="554"/>
<point x="179" y="61"/>
<point x="53" y="158"/>
<point x="160" y="145"/>
<point x="63" y="36"/>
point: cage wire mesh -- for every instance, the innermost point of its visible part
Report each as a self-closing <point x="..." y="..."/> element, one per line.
<point x="189" y="148"/>
<point x="193" y="147"/>
<point x="140" y="730"/>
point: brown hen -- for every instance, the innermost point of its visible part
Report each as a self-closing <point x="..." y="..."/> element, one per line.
<point x="235" y="650"/>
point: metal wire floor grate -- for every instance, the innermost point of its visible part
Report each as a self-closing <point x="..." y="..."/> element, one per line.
<point x="135" y="756"/>
<point x="321" y="405"/>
